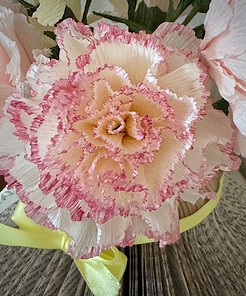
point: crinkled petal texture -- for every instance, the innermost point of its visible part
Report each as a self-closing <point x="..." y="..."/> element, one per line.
<point x="224" y="51"/>
<point x="102" y="132"/>
<point x="17" y="40"/>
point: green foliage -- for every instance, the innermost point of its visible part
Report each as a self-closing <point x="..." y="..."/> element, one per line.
<point x="135" y="27"/>
<point x="145" y="18"/>
<point x="50" y="34"/>
<point x="221" y="104"/>
<point x="202" y="4"/>
<point x="131" y="8"/>
<point x="55" y="52"/>
<point x="200" y="32"/>
<point x="68" y="13"/>
<point x="173" y="14"/>
<point x="150" y="17"/>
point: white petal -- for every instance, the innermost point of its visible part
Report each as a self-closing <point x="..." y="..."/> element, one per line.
<point x="185" y="81"/>
<point x="14" y="66"/>
<point x="215" y="127"/>
<point x="217" y="20"/>
<point x="26" y="173"/>
<point x="125" y="56"/>
<point x="191" y="195"/>
<point x="154" y="175"/>
<point x="10" y="144"/>
<point x="240" y="144"/>
<point x="113" y="231"/>
<point x="239" y="114"/>
<point x="178" y="36"/>
<point x="84" y="233"/>
<point x="164" y="222"/>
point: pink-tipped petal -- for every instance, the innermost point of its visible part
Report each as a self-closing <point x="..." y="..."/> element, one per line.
<point x="109" y="136"/>
<point x="164" y="222"/>
<point x="225" y="53"/>
<point x="178" y="36"/>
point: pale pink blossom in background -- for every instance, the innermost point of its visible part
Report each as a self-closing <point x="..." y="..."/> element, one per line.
<point x="17" y="41"/>
<point x="14" y="5"/>
<point x="224" y="51"/>
<point x="112" y="135"/>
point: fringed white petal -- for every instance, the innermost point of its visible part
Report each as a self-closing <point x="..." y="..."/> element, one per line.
<point x="113" y="231"/>
<point x="84" y="233"/>
<point x="178" y="36"/>
<point x="164" y="222"/>
<point x="215" y="127"/>
<point x="26" y="174"/>
<point x="185" y="80"/>
<point x="125" y="56"/>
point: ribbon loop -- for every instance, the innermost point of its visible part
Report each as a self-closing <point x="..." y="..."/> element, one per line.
<point x="102" y="273"/>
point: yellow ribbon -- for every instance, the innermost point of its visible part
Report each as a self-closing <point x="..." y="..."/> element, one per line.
<point x="102" y="273"/>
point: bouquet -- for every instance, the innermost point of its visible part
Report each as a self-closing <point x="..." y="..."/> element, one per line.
<point x="112" y="114"/>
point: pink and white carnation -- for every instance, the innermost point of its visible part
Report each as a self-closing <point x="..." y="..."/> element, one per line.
<point x="17" y="41"/>
<point x="224" y="51"/>
<point x="106" y="140"/>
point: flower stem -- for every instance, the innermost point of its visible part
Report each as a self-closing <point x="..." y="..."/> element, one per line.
<point x="87" y="6"/>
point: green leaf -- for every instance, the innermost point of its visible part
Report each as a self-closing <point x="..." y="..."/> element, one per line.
<point x="172" y="14"/>
<point x="135" y="27"/>
<point x="50" y="34"/>
<point x="183" y="4"/>
<point x="68" y="13"/>
<point x="171" y="11"/>
<point x="131" y="8"/>
<point x="221" y="104"/>
<point x="200" y="32"/>
<point x="55" y="52"/>
<point x="149" y="17"/>
<point x="202" y="4"/>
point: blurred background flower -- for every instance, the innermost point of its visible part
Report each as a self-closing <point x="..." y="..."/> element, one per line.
<point x="17" y="41"/>
<point x="224" y="51"/>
